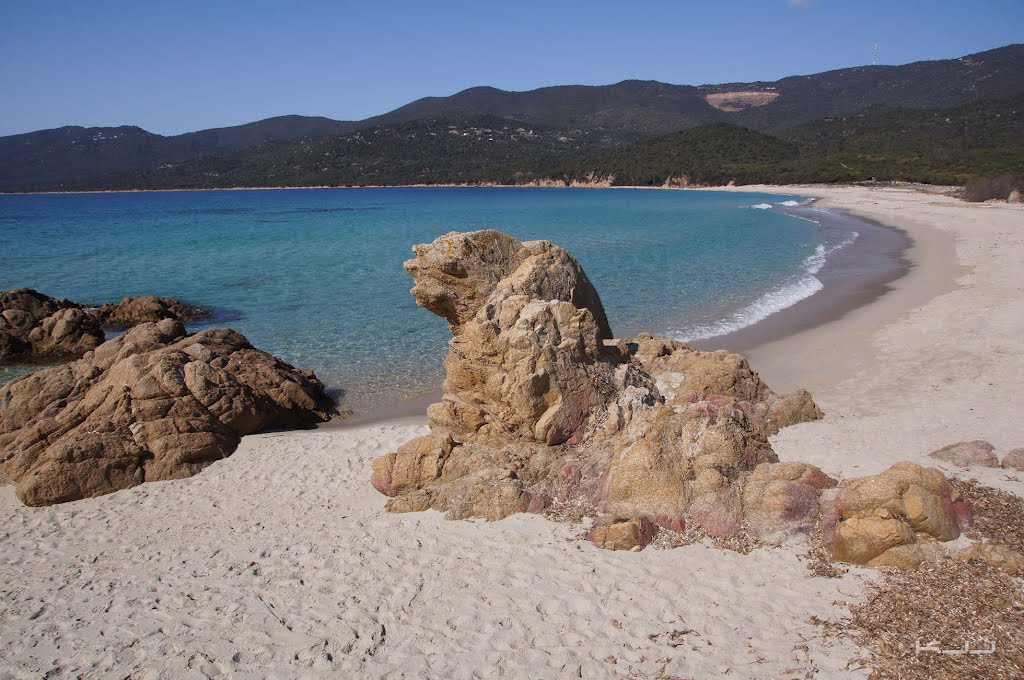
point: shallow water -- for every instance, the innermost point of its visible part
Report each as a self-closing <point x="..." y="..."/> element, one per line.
<point x="315" y="276"/>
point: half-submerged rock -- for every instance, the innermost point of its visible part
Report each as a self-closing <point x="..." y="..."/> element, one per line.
<point x="543" y="408"/>
<point x="153" y="404"/>
<point x="37" y="326"/>
<point x="132" y="311"/>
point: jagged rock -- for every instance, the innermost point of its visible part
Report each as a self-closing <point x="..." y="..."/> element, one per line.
<point x="907" y="504"/>
<point x="1002" y="557"/>
<point x="1015" y="197"/>
<point x="457" y="273"/>
<point x="623" y="534"/>
<point x="541" y="405"/>
<point x="1014" y="459"/>
<point x="686" y="375"/>
<point x="527" y="359"/>
<point x="966" y="454"/>
<point x="153" y="404"/>
<point x="132" y="311"/>
<point x="33" y="325"/>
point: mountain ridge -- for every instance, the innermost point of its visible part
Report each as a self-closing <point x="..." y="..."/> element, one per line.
<point x="621" y="113"/>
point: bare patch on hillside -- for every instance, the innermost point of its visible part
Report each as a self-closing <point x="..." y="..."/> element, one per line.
<point x="737" y="101"/>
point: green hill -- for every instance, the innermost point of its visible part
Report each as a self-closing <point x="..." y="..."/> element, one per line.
<point x="593" y="117"/>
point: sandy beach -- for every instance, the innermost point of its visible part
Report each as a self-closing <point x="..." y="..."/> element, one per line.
<point x="280" y="561"/>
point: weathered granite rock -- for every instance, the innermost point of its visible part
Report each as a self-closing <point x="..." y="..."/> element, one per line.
<point x="543" y="408"/>
<point x="1002" y="557"/>
<point x="966" y="454"/>
<point x="780" y="499"/>
<point x="153" y="404"/>
<point x="1014" y="459"/>
<point x="623" y="535"/>
<point x="869" y="517"/>
<point x="541" y="405"/>
<point x="132" y="311"/>
<point x="33" y="325"/>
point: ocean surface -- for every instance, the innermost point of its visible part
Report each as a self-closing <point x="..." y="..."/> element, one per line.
<point x="315" y="276"/>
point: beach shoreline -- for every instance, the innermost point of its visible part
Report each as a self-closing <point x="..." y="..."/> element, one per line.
<point x="282" y="560"/>
<point x="853" y="277"/>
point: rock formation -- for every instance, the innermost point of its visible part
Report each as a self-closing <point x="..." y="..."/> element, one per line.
<point x="543" y="408"/>
<point x="544" y="411"/>
<point x="896" y="518"/>
<point x="153" y="404"/>
<point x="132" y="311"/>
<point x="33" y="325"/>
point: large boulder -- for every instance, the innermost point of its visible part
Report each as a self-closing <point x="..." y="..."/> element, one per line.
<point x="542" y="408"/>
<point x="37" y="326"/>
<point x="872" y="520"/>
<point x="153" y="404"/>
<point x="132" y="311"/>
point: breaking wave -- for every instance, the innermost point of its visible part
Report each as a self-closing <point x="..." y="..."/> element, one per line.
<point x="799" y="287"/>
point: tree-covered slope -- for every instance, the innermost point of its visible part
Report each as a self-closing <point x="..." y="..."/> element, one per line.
<point x="632" y="110"/>
<point x="432" y="151"/>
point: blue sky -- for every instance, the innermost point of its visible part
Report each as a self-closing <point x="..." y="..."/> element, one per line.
<point x="173" y="67"/>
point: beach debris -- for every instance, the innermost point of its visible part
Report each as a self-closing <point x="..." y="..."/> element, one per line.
<point x="997" y="516"/>
<point x="1014" y="459"/>
<point x="948" y="620"/>
<point x="153" y="404"/>
<point x="33" y="325"/>
<point x="966" y="454"/>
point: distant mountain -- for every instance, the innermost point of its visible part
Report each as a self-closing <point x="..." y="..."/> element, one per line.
<point x="594" y="116"/>
<point x="74" y="155"/>
<point x="945" y="146"/>
<point x="650" y="108"/>
<point x="446" y="149"/>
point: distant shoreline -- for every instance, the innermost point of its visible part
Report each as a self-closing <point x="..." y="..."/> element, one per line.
<point x="761" y="188"/>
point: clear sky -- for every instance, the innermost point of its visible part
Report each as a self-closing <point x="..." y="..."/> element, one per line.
<point x="184" y="65"/>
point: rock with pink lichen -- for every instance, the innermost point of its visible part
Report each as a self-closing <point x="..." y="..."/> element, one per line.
<point x="966" y="454"/>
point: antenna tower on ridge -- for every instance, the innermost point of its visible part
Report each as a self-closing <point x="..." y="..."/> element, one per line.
<point x="874" y="56"/>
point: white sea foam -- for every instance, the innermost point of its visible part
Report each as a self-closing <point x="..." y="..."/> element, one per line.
<point x="760" y="206"/>
<point x="789" y="204"/>
<point x="799" y="287"/>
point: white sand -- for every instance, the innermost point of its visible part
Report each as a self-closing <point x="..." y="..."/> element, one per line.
<point x="280" y="561"/>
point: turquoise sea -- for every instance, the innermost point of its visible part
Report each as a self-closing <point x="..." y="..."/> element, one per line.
<point x="315" y="276"/>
